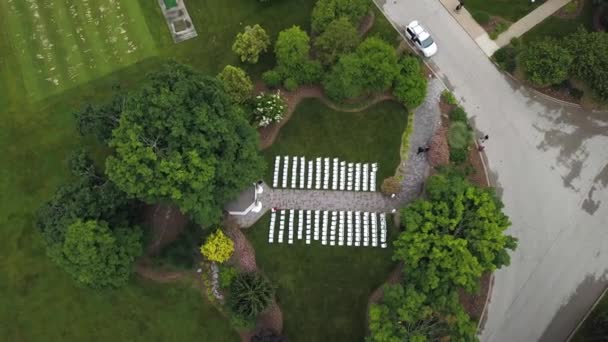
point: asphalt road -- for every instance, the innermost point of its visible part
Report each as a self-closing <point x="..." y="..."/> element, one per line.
<point x="550" y="165"/>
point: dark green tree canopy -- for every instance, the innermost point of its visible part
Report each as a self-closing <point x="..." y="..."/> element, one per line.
<point x="407" y="314"/>
<point x="181" y="140"/>
<point x="326" y="11"/>
<point x="590" y="63"/>
<point x="339" y="38"/>
<point x="292" y="50"/>
<point x="546" y="62"/>
<point x="345" y="79"/>
<point x="88" y="196"/>
<point x="100" y="120"/>
<point x="410" y="84"/>
<point x="379" y="63"/>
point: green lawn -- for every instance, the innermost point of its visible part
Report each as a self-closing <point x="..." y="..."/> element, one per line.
<point x="559" y="28"/>
<point x="511" y="10"/>
<point x="373" y="135"/>
<point x="586" y="331"/>
<point x="63" y="43"/>
<point x="323" y="291"/>
<point x="37" y="132"/>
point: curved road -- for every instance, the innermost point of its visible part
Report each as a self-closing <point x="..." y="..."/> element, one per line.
<point x="550" y="165"/>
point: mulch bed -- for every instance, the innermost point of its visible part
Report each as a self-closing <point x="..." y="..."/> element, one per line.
<point x="166" y="222"/>
<point x="474" y="304"/>
<point x="366" y="24"/>
<point x="491" y="25"/>
<point x="564" y="13"/>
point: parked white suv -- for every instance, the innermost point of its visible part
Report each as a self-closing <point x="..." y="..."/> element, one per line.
<point x="421" y="39"/>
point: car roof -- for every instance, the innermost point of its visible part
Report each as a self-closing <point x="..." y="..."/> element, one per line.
<point x="423" y="36"/>
<point x="416" y="27"/>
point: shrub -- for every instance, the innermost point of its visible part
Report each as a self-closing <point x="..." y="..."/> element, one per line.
<point x="500" y="28"/>
<point x="292" y="52"/>
<point x="290" y="84"/>
<point x="379" y="64"/>
<point x="459" y="135"/>
<point x="458" y="114"/>
<point x="449" y="98"/>
<point x="506" y="58"/>
<point x="458" y="155"/>
<point x="390" y="185"/>
<point x="410" y="84"/>
<point x="227" y="275"/>
<point x="345" y="79"/>
<point x="545" y="62"/>
<point x="250" y="43"/>
<point x="236" y="83"/>
<point x="268" y="108"/>
<point x="339" y="38"/>
<point x="590" y="63"/>
<point x="218" y="247"/>
<point x="483" y="18"/>
<point x="272" y="78"/>
<point x="326" y="11"/>
<point x="250" y="294"/>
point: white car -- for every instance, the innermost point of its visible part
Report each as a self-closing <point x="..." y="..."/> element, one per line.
<point x="421" y="39"/>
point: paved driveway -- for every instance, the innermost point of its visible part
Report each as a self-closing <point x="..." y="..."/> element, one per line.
<point x="550" y="164"/>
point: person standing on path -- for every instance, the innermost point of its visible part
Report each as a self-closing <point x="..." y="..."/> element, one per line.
<point x="484" y="138"/>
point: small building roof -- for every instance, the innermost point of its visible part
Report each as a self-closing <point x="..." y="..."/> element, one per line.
<point x="243" y="201"/>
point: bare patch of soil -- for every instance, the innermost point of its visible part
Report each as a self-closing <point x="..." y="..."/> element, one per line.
<point x="571" y="10"/>
<point x="366" y="24"/>
<point x="144" y="270"/>
<point x="167" y="224"/>
<point x="493" y="23"/>
<point x="600" y="19"/>
<point x="478" y="176"/>
<point x="243" y="257"/>
<point x="474" y="304"/>
<point x="439" y="153"/>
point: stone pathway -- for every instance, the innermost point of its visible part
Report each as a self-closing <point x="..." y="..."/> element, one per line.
<point x="415" y="170"/>
<point x="523" y="25"/>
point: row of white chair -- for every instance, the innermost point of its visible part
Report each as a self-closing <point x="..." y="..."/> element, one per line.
<point x="352" y="228"/>
<point x="343" y="175"/>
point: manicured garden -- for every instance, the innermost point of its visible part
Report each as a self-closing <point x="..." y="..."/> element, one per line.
<point x="314" y="130"/>
<point x="323" y="291"/>
<point x="39" y="300"/>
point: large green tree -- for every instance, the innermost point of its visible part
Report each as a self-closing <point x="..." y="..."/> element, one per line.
<point x="97" y="256"/>
<point x="339" y="38"/>
<point x="100" y="120"/>
<point x="546" y="62"/>
<point x="345" y="79"/>
<point x="90" y="198"/>
<point x="292" y="50"/>
<point x="326" y="11"/>
<point x="406" y="314"/>
<point x="250" y="43"/>
<point x="182" y="140"/>
<point x="453" y="235"/>
<point x="371" y="68"/>
<point x="379" y="64"/>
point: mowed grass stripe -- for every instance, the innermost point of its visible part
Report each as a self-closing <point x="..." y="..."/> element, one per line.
<point x="13" y="85"/>
<point x="56" y="66"/>
<point x="89" y="26"/>
<point x="116" y="33"/>
<point x="68" y="51"/>
<point x="138" y="27"/>
<point x="21" y="27"/>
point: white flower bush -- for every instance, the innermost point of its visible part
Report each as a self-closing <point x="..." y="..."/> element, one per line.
<point x="268" y="108"/>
